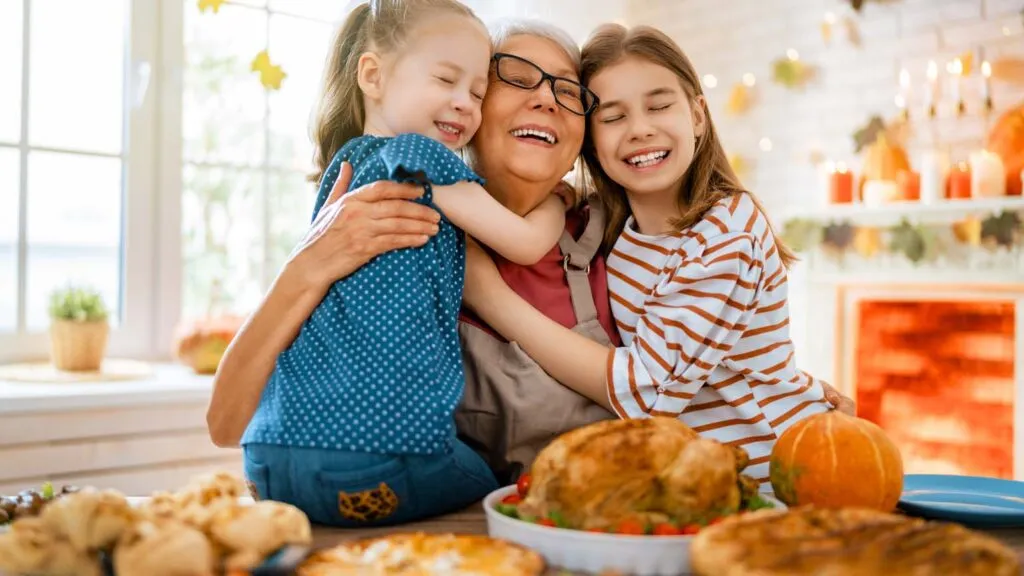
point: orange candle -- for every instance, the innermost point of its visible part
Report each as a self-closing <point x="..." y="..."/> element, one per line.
<point x="840" y="185"/>
<point x="959" y="184"/>
<point x="909" y="183"/>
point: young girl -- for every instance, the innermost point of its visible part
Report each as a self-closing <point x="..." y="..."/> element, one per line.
<point x="697" y="276"/>
<point x="355" y="425"/>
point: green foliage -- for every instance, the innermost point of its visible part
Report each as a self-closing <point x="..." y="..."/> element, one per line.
<point x="78" y="304"/>
<point x="801" y="234"/>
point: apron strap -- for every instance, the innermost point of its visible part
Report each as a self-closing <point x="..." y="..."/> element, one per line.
<point x="576" y="258"/>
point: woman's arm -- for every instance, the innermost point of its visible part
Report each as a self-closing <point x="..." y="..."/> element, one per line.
<point x="520" y="239"/>
<point x="571" y="358"/>
<point x="348" y="231"/>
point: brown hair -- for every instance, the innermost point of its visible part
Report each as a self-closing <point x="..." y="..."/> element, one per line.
<point x="378" y="25"/>
<point x="709" y="177"/>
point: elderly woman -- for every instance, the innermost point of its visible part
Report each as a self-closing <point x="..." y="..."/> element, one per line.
<point x="532" y="128"/>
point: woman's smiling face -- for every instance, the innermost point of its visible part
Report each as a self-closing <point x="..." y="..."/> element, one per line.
<point x="645" y="129"/>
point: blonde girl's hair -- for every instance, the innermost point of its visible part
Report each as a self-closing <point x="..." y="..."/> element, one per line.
<point x="378" y="25"/>
<point x="709" y="179"/>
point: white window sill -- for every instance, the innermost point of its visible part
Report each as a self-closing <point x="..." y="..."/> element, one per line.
<point x="168" y="384"/>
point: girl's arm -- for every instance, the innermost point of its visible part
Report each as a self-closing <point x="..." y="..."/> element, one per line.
<point x="521" y="239"/>
<point x="690" y="323"/>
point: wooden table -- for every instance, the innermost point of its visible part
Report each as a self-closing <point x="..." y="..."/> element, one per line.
<point x="473" y="521"/>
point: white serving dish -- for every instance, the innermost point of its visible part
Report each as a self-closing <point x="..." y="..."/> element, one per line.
<point x="594" y="551"/>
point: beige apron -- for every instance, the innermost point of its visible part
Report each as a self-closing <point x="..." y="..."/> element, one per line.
<point x="512" y="408"/>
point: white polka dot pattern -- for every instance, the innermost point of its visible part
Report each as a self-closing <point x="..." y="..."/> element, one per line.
<point x="377" y="367"/>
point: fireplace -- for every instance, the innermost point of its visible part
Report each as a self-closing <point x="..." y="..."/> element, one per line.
<point x="936" y="368"/>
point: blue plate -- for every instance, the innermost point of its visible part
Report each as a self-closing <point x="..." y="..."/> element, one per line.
<point x="971" y="500"/>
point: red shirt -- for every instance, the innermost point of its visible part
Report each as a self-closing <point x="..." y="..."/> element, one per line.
<point x="544" y="286"/>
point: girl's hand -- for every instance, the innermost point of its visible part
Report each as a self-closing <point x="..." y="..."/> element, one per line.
<point x="837" y="399"/>
<point x="483" y="284"/>
<point x="351" y="229"/>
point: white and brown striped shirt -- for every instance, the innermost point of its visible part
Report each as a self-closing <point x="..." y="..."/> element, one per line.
<point x="704" y="321"/>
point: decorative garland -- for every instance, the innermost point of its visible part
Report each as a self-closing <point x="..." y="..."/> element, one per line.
<point x="270" y="74"/>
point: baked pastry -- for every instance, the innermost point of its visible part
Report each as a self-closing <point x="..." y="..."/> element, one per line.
<point x="425" y="555"/>
<point x="30" y="547"/>
<point x="652" y="469"/>
<point x="198" y="501"/>
<point x="89" y="519"/>
<point x="163" y="548"/>
<point x="846" y="542"/>
<point x="249" y="533"/>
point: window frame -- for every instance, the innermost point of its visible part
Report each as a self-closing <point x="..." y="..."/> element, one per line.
<point x="142" y="292"/>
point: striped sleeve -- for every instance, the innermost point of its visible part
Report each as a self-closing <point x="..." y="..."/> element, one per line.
<point x="690" y="322"/>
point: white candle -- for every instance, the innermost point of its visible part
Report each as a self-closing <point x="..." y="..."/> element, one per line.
<point x="934" y="168"/>
<point x="957" y="70"/>
<point x="988" y="177"/>
<point x="986" y="84"/>
<point x="931" y="95"/>
<point x="878" y="192"/>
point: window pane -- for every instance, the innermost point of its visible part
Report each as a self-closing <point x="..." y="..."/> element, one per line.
<point x="74" y="228"/>
<point x="224" y="102"/>
<point x="10" y="174"/>
<point x="77" y="61"/>
<point x="323" y="10"/>
<point x="300" y="47"/>
<point x="10" y="71"/>
<point x="291" y="200"/>
<point x="222" y="235"/>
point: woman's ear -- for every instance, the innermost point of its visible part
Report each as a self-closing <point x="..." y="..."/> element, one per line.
<point x="370" y="75"/>
<point x="700" y="115"/>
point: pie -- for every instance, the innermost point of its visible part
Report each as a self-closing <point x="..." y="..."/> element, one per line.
<point x="846" y="542"/>
<point x="424" y="555"/>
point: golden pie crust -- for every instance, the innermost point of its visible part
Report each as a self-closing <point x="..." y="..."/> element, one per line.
<point x="425" y="555"/>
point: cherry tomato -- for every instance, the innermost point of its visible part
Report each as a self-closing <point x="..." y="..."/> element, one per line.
<point x="666" y="529"/>
<point x="690" y="529"/>
<point x="512" y="499"/>
<point x="630" y="527"/>
<point x="523" y="484"/>
<point x="546" y="522"/>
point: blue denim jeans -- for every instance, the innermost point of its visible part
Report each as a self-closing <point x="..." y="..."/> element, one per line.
<point x="358" y="489"/>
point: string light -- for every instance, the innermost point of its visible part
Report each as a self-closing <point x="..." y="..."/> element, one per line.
<point x="765" y="144"/>
<point x="710" y="81"/>
<point x="792" y="54"/>
<point x="748" y="79"/>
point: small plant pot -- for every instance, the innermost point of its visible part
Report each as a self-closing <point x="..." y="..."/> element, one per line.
<point x="78" y="346"/>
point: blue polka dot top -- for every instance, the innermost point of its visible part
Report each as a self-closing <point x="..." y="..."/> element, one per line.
<point x="377" y="367"/>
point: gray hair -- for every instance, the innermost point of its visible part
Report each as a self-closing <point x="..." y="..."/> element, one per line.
<point x="506" y="28"/>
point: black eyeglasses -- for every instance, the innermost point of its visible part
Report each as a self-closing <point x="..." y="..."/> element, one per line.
<point x="526" y="75"/>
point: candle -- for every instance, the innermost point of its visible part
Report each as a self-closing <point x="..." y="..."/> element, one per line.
<point x="931" y="93"/>
<point x="840" y="184"/>
<point x="956" y="69"/>
<point x="878" y="192"/>
<point x="903" y="100"/>
<point x="986" y="85"/>
<point x="909" y="183"/>
<point x="960" y="181"/>
<point x="988" y="177"/>
<point x="934" y="168"/>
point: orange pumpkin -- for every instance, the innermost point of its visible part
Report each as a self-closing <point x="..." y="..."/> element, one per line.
<point x="1007" y="140"/>
<point x="833" y="460"/>
<point x="202" y="343"/>
<point x="883" y="160"/>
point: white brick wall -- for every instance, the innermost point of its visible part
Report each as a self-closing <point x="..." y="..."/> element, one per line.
<point x="728" y="38"/>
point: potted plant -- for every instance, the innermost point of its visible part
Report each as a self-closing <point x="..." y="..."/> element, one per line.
<point x="78" y="330"/>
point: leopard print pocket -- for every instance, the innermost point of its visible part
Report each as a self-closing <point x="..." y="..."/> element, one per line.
<point x="370" y="505"/>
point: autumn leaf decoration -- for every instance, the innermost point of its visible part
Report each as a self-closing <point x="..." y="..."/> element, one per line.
<point x="1002" y="230"/>
<point x="271" y="75"/>
<point x="214" y="5"/>
<point x="791" y="72"/>
<point x="908" y="240"/>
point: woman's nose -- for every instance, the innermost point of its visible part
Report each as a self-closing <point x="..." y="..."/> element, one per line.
<point x="543" y="98"/>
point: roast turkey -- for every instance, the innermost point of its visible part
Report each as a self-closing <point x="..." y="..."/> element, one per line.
<point x="650" y="470"/>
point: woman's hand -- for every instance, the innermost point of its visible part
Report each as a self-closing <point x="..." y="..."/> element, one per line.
<point x="351" y="229"/>
<point x="842" y="403"/>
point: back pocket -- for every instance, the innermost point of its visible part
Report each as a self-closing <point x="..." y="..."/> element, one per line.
<point x="374" y="490"/>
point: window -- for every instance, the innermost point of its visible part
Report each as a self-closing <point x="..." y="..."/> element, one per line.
<point x="246" y="150"/>
<point x="74" y="195"/>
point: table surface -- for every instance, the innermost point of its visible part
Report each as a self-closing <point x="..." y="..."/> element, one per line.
<point x="473" y="521"/>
